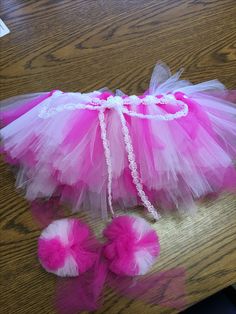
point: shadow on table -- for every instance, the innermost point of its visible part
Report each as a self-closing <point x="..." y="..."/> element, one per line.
<point x="223" y="302"/>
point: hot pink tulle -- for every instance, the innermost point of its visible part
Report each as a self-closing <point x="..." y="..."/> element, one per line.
<point x="67" y="248"/>
<point x="46" y="212"/>
<point x="130" y="249"/>
<point x="178" y="160"/>
<point x="85" y="293"/>
<point x="132" y="246"/>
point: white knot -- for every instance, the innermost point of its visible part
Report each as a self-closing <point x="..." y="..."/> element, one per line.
<point x="168" y="99"/>
<point x="150" y="100"/>
<point x="114" y="102"/>
<point x="134" y="100"/>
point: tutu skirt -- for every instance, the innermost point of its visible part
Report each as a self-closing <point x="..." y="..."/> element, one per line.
<point x="171" y="145"/>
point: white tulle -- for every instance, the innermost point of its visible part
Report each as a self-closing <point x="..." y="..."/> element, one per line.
<point x="157" y="163"/>
<point x="17" y="101"/>
<point x="162" y="82"/>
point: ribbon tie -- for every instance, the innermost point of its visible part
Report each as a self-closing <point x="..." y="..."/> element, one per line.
<point x="118" y="104"/>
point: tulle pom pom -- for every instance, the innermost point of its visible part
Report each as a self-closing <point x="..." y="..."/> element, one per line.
<point x="67" y="248"/>
<point x="132" y="246"/>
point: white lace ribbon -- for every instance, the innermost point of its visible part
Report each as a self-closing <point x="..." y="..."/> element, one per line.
<point x="117" y="103"/>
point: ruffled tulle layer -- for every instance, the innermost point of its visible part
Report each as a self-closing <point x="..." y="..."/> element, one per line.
<point x="59" y="147"/>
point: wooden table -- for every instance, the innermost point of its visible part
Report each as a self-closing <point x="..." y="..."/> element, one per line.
<point x="85" y="45"/>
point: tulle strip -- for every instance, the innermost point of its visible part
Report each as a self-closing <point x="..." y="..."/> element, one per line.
<point x="45" y="212"/>
<point x="14" y="107"/>
<point x="85" y="293"/>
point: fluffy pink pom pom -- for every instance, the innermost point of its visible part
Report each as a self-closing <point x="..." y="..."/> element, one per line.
<point x="132" y="246"/>
<point x="66" y="248"/>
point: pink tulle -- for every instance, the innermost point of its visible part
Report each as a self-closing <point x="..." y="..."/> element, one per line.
<point x="130" y="249"/>
<point x="45" y="212"/>
<point x="52" y="253"/>
<point x="132" y="246"/>
<point x="130" y="242"/>
<point x="12" y="113"/>
<point x="178" y="161"/>
<point x="67" y="247"/>
<point x="164" y="288"/>
<point x="84" y="293"/>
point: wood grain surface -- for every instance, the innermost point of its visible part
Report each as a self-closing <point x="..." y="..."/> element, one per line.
<point x="87" y="44"/>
